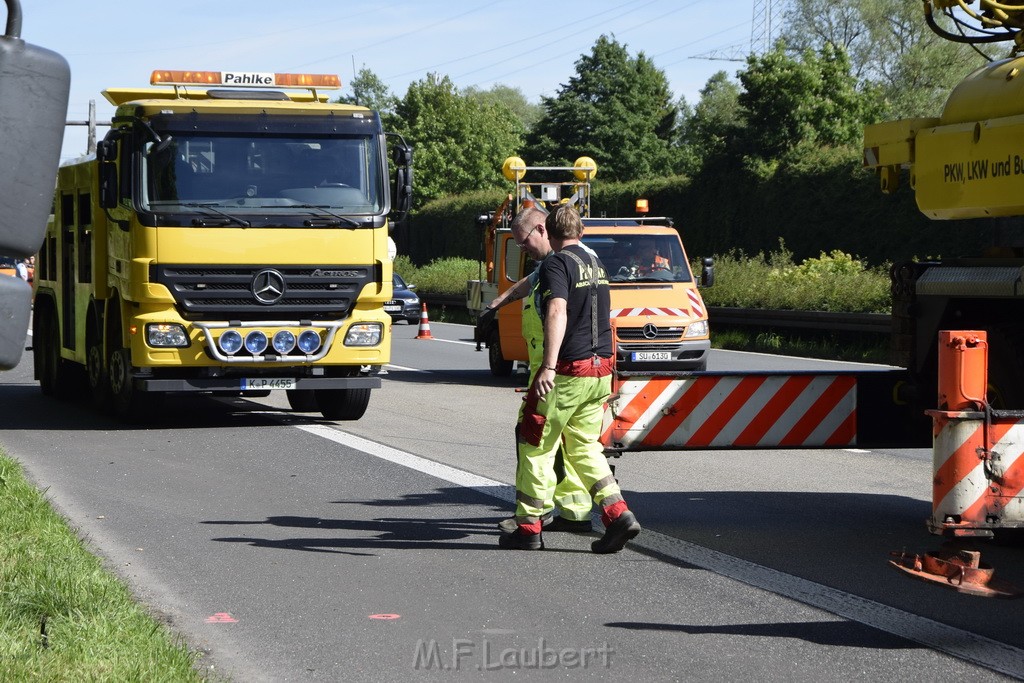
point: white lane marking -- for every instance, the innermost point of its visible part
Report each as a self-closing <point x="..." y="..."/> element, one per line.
<point x="454" y="341"/>
<point x="965" y="645"/>
<point x="402" y="367"/>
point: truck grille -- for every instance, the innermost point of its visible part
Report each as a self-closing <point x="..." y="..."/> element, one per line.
<point x="259" y="292"/>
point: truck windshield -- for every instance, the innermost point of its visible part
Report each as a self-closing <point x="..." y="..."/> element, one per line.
<point x="263" y="175"/>
<point x="641" y="257"/>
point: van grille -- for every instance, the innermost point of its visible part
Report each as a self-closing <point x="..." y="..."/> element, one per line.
<point x="627" y="334"/>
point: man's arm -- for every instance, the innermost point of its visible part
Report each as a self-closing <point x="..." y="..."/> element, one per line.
<point x="514" y="293"/>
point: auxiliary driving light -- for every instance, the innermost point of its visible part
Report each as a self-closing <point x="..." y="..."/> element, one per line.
<point x="230" y="342"/>
<point x="255" y="342"/>
<point x="309" y="342"/>
<point x="166" y="335"/>
<point x="284" y="342"/>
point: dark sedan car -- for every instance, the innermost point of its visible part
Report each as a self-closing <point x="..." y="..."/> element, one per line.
<point x="405" y="305"/>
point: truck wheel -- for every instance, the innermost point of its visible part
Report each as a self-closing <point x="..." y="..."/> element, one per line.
<point x="128" y="404"/>
<point x="54" y="373"/>
<point x="99" y="381"/>
<point x="302" y="400"/>
<point x="342" y="404"/>
<point x="499" y="366"/>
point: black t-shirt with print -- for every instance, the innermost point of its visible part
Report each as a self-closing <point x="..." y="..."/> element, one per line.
<point x="560" y="278"/>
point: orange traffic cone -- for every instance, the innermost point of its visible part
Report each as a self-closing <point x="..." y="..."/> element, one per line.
<point x="424" y="331"/>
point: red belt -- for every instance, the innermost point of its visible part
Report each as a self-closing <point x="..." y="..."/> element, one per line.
<point x="584" y="367"/>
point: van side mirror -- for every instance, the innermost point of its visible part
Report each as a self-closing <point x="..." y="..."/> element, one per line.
<point x="707" y="272"/>
<point x="34" y="87"/>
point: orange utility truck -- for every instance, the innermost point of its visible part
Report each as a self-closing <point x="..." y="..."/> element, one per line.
<point x="661" y="320"/>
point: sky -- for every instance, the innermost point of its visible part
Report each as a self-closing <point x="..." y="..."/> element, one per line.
<point x="481" y="43"/>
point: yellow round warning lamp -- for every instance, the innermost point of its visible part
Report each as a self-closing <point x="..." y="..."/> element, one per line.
<point x="513" y="169"/>
<point x="641" y="206"/>
<point x="586" y="168"/>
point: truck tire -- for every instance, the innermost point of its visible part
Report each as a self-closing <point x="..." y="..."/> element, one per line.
<point x="54" y="372"/>
<point x="302" y="400"/>
<point x="342" y="404"/>
<point x="96" y="372"/>
<point x="128" y="404"/>
<point x="499" y="366"/>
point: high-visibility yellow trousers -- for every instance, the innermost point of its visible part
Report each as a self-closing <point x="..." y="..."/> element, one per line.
<point x="573" y="413"/>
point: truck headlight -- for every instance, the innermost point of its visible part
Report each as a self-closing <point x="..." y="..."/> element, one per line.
<point x="697" y="329"/>
<point x="166" y="335"/>
<point x="364" y="334"/>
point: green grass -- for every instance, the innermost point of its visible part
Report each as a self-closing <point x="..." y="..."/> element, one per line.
<point x="63" y="616"/>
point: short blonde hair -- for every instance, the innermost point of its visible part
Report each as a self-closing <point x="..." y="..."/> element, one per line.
<point x="526" y="215"/>
<point x="564" y="223"/>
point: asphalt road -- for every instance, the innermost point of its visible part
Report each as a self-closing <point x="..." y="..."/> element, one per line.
<point x="289" y="548"/>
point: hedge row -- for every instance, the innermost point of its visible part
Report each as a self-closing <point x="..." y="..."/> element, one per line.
<point x="817" y="201"/>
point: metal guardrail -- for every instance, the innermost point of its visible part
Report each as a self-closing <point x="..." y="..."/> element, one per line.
<point x="878" y="323"/>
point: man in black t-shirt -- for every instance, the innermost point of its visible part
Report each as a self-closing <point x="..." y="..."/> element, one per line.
<point x="568" y="394"/>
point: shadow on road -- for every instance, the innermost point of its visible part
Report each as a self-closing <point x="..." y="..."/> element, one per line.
<point x="439" y="532"/>
<point x="831" y="633"/>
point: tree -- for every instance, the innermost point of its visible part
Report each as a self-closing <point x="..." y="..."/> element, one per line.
<point x="705" y="131"/>
<point x="368" y="90"/>
<point x="891" y="49"/>
<point x="787" y="101"/>
<point x="617" y="109"/>
<point x="459" y="142"/>
<point x="513" y="98"/>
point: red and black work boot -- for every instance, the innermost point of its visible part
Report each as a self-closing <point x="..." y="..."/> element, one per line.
<point x="622" y="529"/>
<point x="509" y="524"/>
<point x="520" y="540"/>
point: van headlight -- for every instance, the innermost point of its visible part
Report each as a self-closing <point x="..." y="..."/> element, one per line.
<point x="364" y="334"/>
<point x="697" y="329"/>
<point x="164" y="335"/>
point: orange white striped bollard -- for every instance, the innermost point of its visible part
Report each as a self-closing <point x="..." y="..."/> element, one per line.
<point x="424" y="331"/>
<point x="965" y="500"/>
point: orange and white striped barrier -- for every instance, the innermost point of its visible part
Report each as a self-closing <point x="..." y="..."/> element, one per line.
<point x="424" y="330"/>
<point x="978" y="474"/>
<point x="800" y="410"/>
<point x="977" y="463"/>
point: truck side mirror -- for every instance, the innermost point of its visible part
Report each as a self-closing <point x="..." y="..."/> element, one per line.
<point x="106" y="155"/>
<point x="403" y="192"/>
<point x="707" y="272"/>
<point x="401" y="202"/>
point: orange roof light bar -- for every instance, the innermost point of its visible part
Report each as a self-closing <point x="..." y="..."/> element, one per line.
<point x="248" y="79"/>
<point x="642" y="206"/>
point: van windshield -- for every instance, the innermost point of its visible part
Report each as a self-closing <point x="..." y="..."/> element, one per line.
<point x="641" y="257"/>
